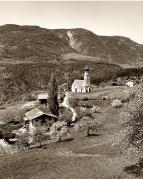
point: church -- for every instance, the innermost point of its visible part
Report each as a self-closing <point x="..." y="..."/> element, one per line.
<point x="82" y="86"/>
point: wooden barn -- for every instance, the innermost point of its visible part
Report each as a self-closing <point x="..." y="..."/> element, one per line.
<point x="40" y="118"/>
<point x="43" y="98"/>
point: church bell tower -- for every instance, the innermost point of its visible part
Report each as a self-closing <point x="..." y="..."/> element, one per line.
<point x="86" y="76"/>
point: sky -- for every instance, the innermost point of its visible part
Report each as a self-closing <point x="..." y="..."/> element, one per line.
<point x="124" y="18"/>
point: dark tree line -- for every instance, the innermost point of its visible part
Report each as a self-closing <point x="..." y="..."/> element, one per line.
<point x="24" y="78"/>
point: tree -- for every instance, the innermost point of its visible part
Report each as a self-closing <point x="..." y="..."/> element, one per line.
<point x="90" y="124"/>
<point x="67" y="78"/>
<point x="22" y="141"/>
<point x="130" y="138"/>
<point x="59" y="129"/>
<point x="39" y="137"/>
<point x="53" y="95"/>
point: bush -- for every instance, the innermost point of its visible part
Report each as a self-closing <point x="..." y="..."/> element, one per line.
<point x="85" y="113"/>
<point x="116" y="103"/>
<point x="105" y="98"/>
<point x="22" y="141"/>
<point x="65" y="114"/>
<point x="85" y="99"/>
<point x="95" y="109"/>
<point x="7" y="134"/>
<point x="39" y="137"/>
<point x="73" y="102"/>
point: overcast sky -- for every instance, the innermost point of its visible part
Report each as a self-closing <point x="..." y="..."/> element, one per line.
<point x="103" y="18"/>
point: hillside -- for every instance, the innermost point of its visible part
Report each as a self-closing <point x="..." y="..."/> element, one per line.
<point x="114" y="49"/>
<point x="22" y="46"/>
<point x="33" y="43"/>
<point x="77" y="157"/>
<point x="21" y="79"/>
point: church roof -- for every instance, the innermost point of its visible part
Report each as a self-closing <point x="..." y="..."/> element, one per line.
<point x="78" y="83"/>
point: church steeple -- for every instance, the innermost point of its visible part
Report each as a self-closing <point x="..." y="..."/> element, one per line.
<point x="86" y="68"/>
<point x="86" y="76"/>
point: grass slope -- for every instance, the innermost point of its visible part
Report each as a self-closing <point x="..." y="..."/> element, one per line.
<point x="80" y="158"/>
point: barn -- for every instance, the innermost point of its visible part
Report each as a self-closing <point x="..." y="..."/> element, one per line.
<point x="43" y="98"/>
<point x="39" y="118"/>
<point x="130" y="83"/>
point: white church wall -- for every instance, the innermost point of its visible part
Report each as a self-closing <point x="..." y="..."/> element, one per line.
<point x="78" y="89"/>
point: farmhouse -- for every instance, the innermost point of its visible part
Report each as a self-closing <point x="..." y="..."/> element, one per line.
<point x="43" y="98"/>
<point x="82" y="86"/>
<point x="130" y="83"/>
<point x="39" y="118"/>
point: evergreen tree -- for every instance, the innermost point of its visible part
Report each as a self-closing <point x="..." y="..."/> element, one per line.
<point x="67" y="78"/>
<point x="53" y="95"/>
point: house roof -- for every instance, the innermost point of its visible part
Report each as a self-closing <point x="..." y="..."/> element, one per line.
<point x="78" y="83"/>
<point x="43" y="96"/>
<point x="35" y="113"/>
<point x="130" y="81"/>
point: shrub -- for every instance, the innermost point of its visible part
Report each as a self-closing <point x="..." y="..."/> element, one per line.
<point x="86" y="105"/>
<point x="85" y="113"/>
<point x="105" y="98"/>
<point x="39" y="137"/>
<point x="73" y="102"/>
<point x="116" y="103"/>
<point x="23" y="141"/>
<point x="65" y="114"/>
<point x="7" y="134"/>
<point x="85" y="99"/>
<point x="95" y="109"/>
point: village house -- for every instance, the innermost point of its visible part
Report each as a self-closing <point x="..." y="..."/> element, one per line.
<point x="43" y="98"/>
<point x="82" y="86"/>
<point x="130" y="83"/>
<point x="39" y="118"/>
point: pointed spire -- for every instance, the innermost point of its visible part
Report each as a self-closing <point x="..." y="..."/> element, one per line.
<point x="86" y="68"/>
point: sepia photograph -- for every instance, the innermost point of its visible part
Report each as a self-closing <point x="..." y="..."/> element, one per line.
<point x="71" y="89"/>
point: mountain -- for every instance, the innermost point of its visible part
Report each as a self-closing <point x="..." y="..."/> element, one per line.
<point x="33" y="43"/>
<point x="114" y="49"/>
<point x="29" y="54"/>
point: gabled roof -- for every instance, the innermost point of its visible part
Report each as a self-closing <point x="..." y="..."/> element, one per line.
<point x="130" y="81"/>
<point x="43" y="96"/>
<point x="35" y="113"/>
<point x="78" y="83"/>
